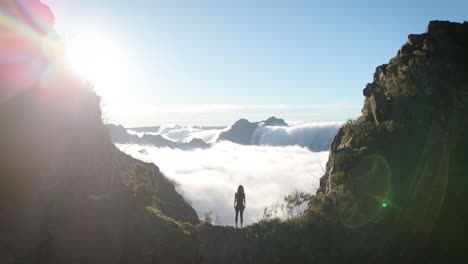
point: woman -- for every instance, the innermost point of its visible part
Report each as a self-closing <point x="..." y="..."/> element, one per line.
<point x="239" y="203"/>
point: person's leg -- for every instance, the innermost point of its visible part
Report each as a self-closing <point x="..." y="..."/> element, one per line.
<point x="237" y="213"/>
<point x="241" y="216"/>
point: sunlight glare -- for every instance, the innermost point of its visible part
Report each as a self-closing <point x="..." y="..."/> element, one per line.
<point x="97" y="59"/>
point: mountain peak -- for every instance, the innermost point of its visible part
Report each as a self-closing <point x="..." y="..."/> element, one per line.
<point x="273" y="121"/>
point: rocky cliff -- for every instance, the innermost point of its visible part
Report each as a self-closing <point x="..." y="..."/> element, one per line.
<point x="400" y="165"/>
<point x="394" y="190"/>
<point x="67" y="195"/>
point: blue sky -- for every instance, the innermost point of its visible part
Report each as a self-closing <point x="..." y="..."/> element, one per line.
<point x="212" y="62"/>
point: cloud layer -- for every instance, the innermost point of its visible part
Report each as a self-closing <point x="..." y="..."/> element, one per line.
<point x="180" y="133"/>
<point x="316" y="136"/>
<point x="208" y="178"/>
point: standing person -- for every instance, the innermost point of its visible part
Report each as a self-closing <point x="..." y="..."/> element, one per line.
<point x="239" y="203"/>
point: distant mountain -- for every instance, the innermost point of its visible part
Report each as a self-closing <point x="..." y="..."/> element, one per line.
<point x="276" y="132"/>
<point x="242" y="131"/>
<point x="120" y="135"/>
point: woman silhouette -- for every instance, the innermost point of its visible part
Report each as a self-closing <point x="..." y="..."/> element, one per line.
<point x="239" y="203"/>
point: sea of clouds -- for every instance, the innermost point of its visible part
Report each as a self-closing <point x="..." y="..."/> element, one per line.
<point x="180" y="133"/>
<point x="316" y="136"/>
<point x="209" y="178"/>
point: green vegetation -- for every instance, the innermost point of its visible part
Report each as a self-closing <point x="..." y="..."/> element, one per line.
<point x="294" y="203"/>
<point x="140" y="180"/>
<point x="211" y="218"/>
<point x="338" y="178"/>
<point x="390" y="126"/>
<point x="185" y="227"/>
<point x="346" y="159"/>
<point x="366" y="110"/>
<point x="402" y="83"/>
<point x="348" y="126"/>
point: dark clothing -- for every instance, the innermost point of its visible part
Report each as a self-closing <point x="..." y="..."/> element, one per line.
<point x="239" y="206"/>
<point x="239" y="200"/>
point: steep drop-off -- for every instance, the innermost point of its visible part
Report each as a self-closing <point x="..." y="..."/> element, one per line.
<point x="67" y="194"/>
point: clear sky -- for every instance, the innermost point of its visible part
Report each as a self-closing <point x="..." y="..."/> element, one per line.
<point x="211" y="62"/>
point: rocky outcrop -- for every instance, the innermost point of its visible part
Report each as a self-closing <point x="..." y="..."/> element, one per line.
<point x="242" y="131"/>
<point x="67" y="194"/>
<point x="399" y="165"/>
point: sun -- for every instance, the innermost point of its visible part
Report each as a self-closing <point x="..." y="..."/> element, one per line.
<point x="96" y="58"/>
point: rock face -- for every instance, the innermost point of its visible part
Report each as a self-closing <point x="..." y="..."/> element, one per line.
<point x="67" y="194"/>
<point x="119" y="135"/>
<point x="400" y="164"/>
<point x="242" y="131"/>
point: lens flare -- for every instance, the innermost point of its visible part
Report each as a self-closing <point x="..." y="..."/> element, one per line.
<point x="97" y="59"/>
<point x="369" y="184"/>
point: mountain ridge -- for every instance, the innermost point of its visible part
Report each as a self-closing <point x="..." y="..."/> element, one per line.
<point x="67" y="194"/>
<point x="241" y="132"/>
<point x="119" y="135"/>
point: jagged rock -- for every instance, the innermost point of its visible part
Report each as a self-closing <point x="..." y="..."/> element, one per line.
<point x="377" y="100"/>
<point x="416" y="40"/>
<point x="412" y="96"/>
<point x="273" y="121"/>
<point x="242" y="131"/>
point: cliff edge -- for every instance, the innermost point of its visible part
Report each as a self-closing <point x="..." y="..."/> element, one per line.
<point x="67" y="194"/>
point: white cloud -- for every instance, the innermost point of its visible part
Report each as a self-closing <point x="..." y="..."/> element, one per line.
<point x="180" y="133"/>
<point x="317" y="136"/>
<point x="208" y="178"/>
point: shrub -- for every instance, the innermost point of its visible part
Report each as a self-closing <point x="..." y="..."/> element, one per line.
<point x="316" y="203"/>
<point x="271" y="212"/>
<point x="140" y="180"/>
<point x="294" y="203"/>
<point x="211" y="218"/>
<point x="182" y="226"/>
<point x="338" y="178"/>
<point x="390" y="126"/>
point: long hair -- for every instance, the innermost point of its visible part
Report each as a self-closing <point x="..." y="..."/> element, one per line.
<point x="240" y="189"/>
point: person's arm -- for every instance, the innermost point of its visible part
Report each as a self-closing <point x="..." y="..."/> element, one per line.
<point x="245" y="201"/>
